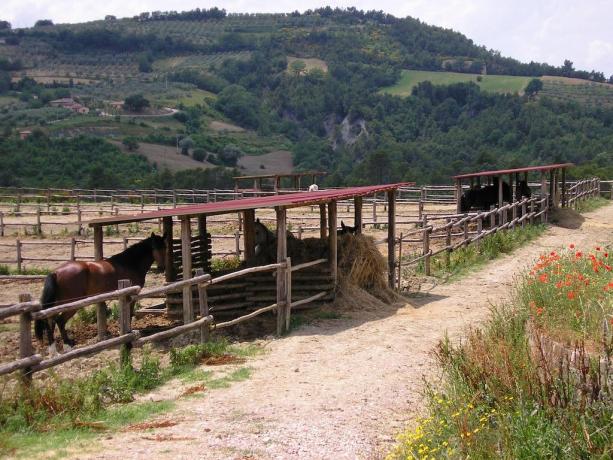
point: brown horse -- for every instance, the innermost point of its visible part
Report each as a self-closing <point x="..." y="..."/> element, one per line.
<point x="77" y="280"/>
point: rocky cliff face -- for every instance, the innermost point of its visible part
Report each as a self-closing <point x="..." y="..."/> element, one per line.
<point x="343" y="131"/>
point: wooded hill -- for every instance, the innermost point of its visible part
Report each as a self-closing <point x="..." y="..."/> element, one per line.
<point x="312" y="82"/>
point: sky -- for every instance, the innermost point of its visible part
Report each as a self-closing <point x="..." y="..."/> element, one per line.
<point x="540" y="30"/>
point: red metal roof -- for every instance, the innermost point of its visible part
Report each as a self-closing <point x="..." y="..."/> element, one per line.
<point x="516" y="170"/>
<point x="223" y="207"/>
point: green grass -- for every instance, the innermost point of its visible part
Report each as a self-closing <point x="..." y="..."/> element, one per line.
<point x="6" y="270"/>
<point x="58" y="412"/>
<point x="498" y="399"/>
<point x="591" y="204"/>
<point x="491" y="83"/>
<point x="466" y="259"/>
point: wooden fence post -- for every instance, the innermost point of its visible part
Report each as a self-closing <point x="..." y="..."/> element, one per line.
<point x="523" y="213"/>
<point x="281" y="275"/>
<point x="19" y="260"/>
<point x="479" y="229"/>
<point x="514" y="214"/>
<point x="532" y="210"/>
<point x="100" y="307"/>
<point x="203" y="307"/>
<point x="73" y="244"/>
<point x="1" y="223"/>
<point x="186" y="258"/>
<point x="426" y="248"/>
<point x="391" y="236"/>
<point x="25" y="339"/>
<point x="357" y="214"/>
<point x="374" y="209"/>
<point x="125" y="322"/>
<point x="492" y="217"/>
<point x="237" y="243"/>
<point x="448" y="245"/>
<point x="39" y="227"/>
<point x="399" y="263"/>
<point x="79" y="222"/>
<point x="333" y="241"/>
<point x="465" y="228"/>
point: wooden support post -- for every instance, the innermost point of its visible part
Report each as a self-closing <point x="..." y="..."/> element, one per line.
<point x="125" y="322"/>
<point x="249" y="233"/>
<point x="73" y="244"/>
<point x="357" y="213"/>
<point x="323" y="222"/>
<point x="465" y="228"/>
<point x="281" y="276"/>
<point x="374" y="208"/>
<point x="169" y="270"/>
<point x="552" y="189"/>
<point x="492" y="218"/>
<point x="543" y="185"/>
<point x="532" y="211"/>
<point x="186" y="259"/>
<point x="500" y="194"/>
<point x="391" y="236"/>
<point x="514" y="214"/>
<point x="523" y="213"/>
<point x="203" y="307"/>
<point x="100" y="307"/>
<point x="544" y="207"/>
<point x="1" y="223"/>
<point x="511" y="186"/>
<point x="426" y="248"/>
<point x="458" y="195"/>
<point x="237" y="243"/>
<point x="202" y="236"/>
<point x="125" y="243"/>
<point x="332" y="240"/>
<point x="25" y="338"/>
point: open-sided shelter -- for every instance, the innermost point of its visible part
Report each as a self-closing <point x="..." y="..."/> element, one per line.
<point x="193" y="251"/>
<point x="296" y="180"/>
<point x="557" y="174"/>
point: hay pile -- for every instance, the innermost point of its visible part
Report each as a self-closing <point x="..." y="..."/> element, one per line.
<point x="362" y="265"/>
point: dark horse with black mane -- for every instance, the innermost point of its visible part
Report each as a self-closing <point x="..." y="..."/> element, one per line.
<point x="76" y="280"/>
<point x="483" y="198"/>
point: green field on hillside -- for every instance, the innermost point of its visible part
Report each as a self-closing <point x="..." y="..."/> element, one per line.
<point x="492" y="83"/>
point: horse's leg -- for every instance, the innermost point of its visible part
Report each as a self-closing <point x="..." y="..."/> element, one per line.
<point x="52" y="349"/>
<point x="61" y="324"/>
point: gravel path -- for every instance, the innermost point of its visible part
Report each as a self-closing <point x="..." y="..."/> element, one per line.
<point x="342" y="388"/>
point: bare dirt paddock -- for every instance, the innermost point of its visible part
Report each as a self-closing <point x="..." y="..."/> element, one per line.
<point x="339" y="388"/>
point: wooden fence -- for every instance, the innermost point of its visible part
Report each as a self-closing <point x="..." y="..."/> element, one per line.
<point x="28" y="311"/>
<point x="461" y="230"/>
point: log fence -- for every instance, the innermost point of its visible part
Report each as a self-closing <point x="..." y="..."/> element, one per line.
<point x="29" y="311"/>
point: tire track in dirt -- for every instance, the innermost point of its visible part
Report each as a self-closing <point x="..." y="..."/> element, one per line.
<point x="341" y="388"/>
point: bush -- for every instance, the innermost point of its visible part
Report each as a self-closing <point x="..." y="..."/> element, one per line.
<point x="229" y="155"/>
<point x="199" y="154"/>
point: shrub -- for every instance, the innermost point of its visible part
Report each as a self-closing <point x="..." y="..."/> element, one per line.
<point x="199" y="154"/>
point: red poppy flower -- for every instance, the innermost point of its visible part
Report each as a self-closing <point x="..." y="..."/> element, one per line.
<point x="570" y="295"/>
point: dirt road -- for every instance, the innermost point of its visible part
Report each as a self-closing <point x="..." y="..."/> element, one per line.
<point x="341" y="388"/>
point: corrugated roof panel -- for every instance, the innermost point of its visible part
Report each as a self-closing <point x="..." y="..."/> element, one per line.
<point x="223" y="207"/>
<point x="512" y="171"/>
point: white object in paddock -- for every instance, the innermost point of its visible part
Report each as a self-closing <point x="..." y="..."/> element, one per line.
<point x="313" y="188"/>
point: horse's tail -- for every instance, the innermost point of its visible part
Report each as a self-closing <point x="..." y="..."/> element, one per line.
<point x="47" y="300"/>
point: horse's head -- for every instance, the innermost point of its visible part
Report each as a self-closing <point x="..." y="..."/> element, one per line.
<point x="465" y="201"/>
<point x="263" y="235"/>
<point x="524" y="189"/>
<point x="346" y="229"/>
<point x="158" y="249"/>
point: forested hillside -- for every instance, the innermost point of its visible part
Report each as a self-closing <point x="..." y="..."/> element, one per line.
<point x="306" y="82"/>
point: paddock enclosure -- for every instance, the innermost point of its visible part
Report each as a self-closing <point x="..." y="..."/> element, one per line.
<point x="409" y="224"/>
